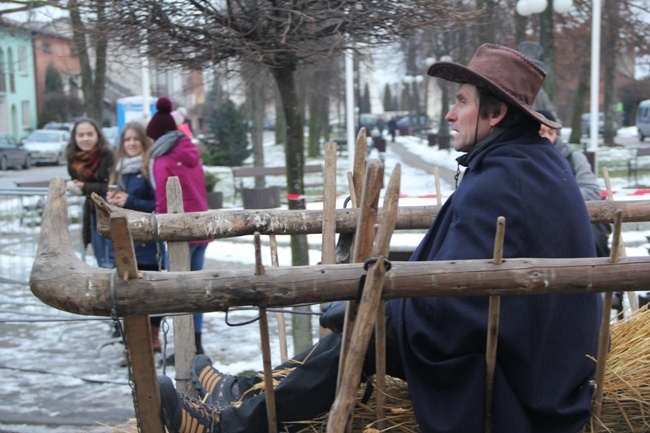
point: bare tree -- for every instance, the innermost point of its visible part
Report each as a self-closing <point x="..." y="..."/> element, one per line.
<point x="281" y="35"/>
<point x="89" y="37"/>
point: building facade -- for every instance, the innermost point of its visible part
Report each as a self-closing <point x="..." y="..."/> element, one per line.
<point x="17" y="84"/>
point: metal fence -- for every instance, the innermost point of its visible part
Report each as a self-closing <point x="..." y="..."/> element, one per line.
<point x="21" y="210"/>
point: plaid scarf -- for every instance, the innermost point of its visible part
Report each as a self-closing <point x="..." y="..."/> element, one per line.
<point x="85" y="163"/>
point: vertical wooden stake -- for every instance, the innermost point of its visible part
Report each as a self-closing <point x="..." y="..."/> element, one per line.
<point x="436" y="174"/>
<point x="350" y="376"/>
<point x="362" y="247"/>
<point x="328" y="254"/>
<point x="631" y="296"/>
<point x="493" y="329"/>
<point x="138" y="335"/>
<point x="266" y="347"/>
<point x="179" y="261"/>
<point x="603" y="338"/>
<point x="282" y="323"/>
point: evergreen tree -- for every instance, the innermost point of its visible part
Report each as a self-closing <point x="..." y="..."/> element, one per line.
<point x="388" y="99"/>
<point x="53" y="81"/>
<point x="229" y="144"/>
<point x="365" y="101"/>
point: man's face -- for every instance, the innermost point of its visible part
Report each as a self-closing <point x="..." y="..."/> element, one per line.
<point x="549" y="133"/>
<point x="465" y="120"/>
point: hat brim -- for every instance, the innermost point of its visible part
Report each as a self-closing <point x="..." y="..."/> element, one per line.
<point x="458" y="73"/>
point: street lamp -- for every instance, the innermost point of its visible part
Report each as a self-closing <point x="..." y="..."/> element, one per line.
<point x="529" y="7"/>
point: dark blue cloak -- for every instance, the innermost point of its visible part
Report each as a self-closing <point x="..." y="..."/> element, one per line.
<point x="542" y="377"/>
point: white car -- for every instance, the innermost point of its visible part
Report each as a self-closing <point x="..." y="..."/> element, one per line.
<point x="47" y="146"/>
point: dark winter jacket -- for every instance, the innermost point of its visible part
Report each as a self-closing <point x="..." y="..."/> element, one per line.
<point x="106" y="161"/>
<point x="142" y="198"/>
<point x="542" y="374"/>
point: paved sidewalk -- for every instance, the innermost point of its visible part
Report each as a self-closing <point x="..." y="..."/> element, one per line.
<point x="413" y="160"/>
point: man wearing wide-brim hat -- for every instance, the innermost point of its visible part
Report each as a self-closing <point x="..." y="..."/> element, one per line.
<point x="542" y="375"/>
<point x="438" y="344"/>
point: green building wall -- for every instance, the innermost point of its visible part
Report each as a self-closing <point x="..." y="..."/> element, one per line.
<point x="17" y="82"/>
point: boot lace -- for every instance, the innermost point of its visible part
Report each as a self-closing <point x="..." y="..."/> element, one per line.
<point x="205" y="415"/>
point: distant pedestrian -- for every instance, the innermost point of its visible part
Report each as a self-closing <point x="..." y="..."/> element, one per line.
<point x="392" y="128"/>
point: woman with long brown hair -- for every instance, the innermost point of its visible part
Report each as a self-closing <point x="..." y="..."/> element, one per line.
<point x="134" y="191"/>
<point x="90" y="161"/>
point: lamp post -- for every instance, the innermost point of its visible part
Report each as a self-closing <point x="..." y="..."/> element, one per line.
<point x="411" y="82"/>
<point x="546" y="42"/>
<point x="528" y="7"/>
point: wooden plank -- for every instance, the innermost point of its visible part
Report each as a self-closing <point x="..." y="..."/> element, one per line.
<point x="223" y="223"/>
<point x="138" y="335"/>
<point x="179" y="261"/>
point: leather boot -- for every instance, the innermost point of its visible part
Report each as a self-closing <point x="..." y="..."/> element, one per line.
<point x="155" y="339"/>
<point x="197" y="342"/>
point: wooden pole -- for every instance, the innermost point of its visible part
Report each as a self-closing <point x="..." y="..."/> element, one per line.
<point x="179" y="261"/>
<point x="328" y="253"/>
<point x="631" y="296"/>
<point x="138" y="336"/>
<point x="362" y="328"/>
<point x="224" y="224"/>
<point x="436" y="176"/>
<point x="271" y="414"/>
<point x="362" y="245"/>
<point x="282" y="323"/>
<point x="603" y="339"/>
<point x="493" y="328"/>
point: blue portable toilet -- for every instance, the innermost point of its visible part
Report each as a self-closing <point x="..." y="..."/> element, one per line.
<point x="130" y="109"/>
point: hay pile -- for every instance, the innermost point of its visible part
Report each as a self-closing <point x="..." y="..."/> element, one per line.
<point x="626" y="399"/>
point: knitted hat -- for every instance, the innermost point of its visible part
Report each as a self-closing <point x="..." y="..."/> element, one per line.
<point x="548" y="115"/>
<point x="503" y="72"/>
<point x="162" y="121"/>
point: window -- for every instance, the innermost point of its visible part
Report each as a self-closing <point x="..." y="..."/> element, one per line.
<point x="10" y="65"/>
<point x="27" y="118"/>
<point x="3" y="79"/>
<point x="47" y="47"/>
<point x="22" y="60"/>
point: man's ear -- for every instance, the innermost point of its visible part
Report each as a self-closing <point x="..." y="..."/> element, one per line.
<point x="499" y="114"/>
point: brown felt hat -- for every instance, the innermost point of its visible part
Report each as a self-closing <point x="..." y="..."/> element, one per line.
<point x="503" y="72"/>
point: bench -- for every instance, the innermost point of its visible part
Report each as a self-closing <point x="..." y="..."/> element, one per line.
<point x="637" y="164"/>
<point x="240" y="173"/>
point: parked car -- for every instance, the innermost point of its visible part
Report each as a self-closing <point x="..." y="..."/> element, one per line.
<point x="13" y="153"/>
<point x="110" y="132"/>
<point x="585" y="124"/>
<point x="60" y="126"/>
<point x="643" y="119"/>
<point x="47" y="146"/>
